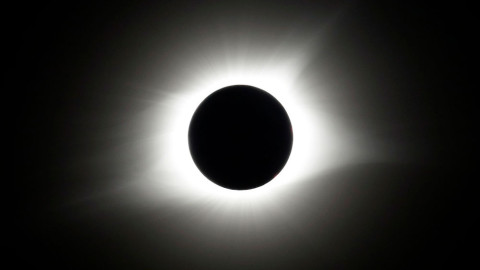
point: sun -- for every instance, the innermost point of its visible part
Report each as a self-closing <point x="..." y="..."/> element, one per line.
<point x="318" y="142"/>
<point x="175" y="161"/>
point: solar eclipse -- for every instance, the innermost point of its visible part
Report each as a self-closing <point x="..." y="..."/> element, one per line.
<point x="130" y="158"/>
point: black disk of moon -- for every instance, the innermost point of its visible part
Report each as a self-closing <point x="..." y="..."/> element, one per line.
<point x="240" y="137"/>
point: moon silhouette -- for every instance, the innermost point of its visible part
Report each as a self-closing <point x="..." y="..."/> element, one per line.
<point x="240" y="137"/>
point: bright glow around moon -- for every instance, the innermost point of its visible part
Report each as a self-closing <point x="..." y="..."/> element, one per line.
<point x="318" y="143"/>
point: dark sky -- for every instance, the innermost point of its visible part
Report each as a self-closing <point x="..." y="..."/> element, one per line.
<point x="397" y="75"/>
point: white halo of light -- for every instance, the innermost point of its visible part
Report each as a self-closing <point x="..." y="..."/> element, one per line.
<point x="316" y="140"/>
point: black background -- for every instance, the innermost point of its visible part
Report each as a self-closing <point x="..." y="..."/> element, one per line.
<point x="390" y="63"/>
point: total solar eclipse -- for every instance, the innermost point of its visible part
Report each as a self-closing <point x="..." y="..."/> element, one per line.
<point x="240" y="137"/>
